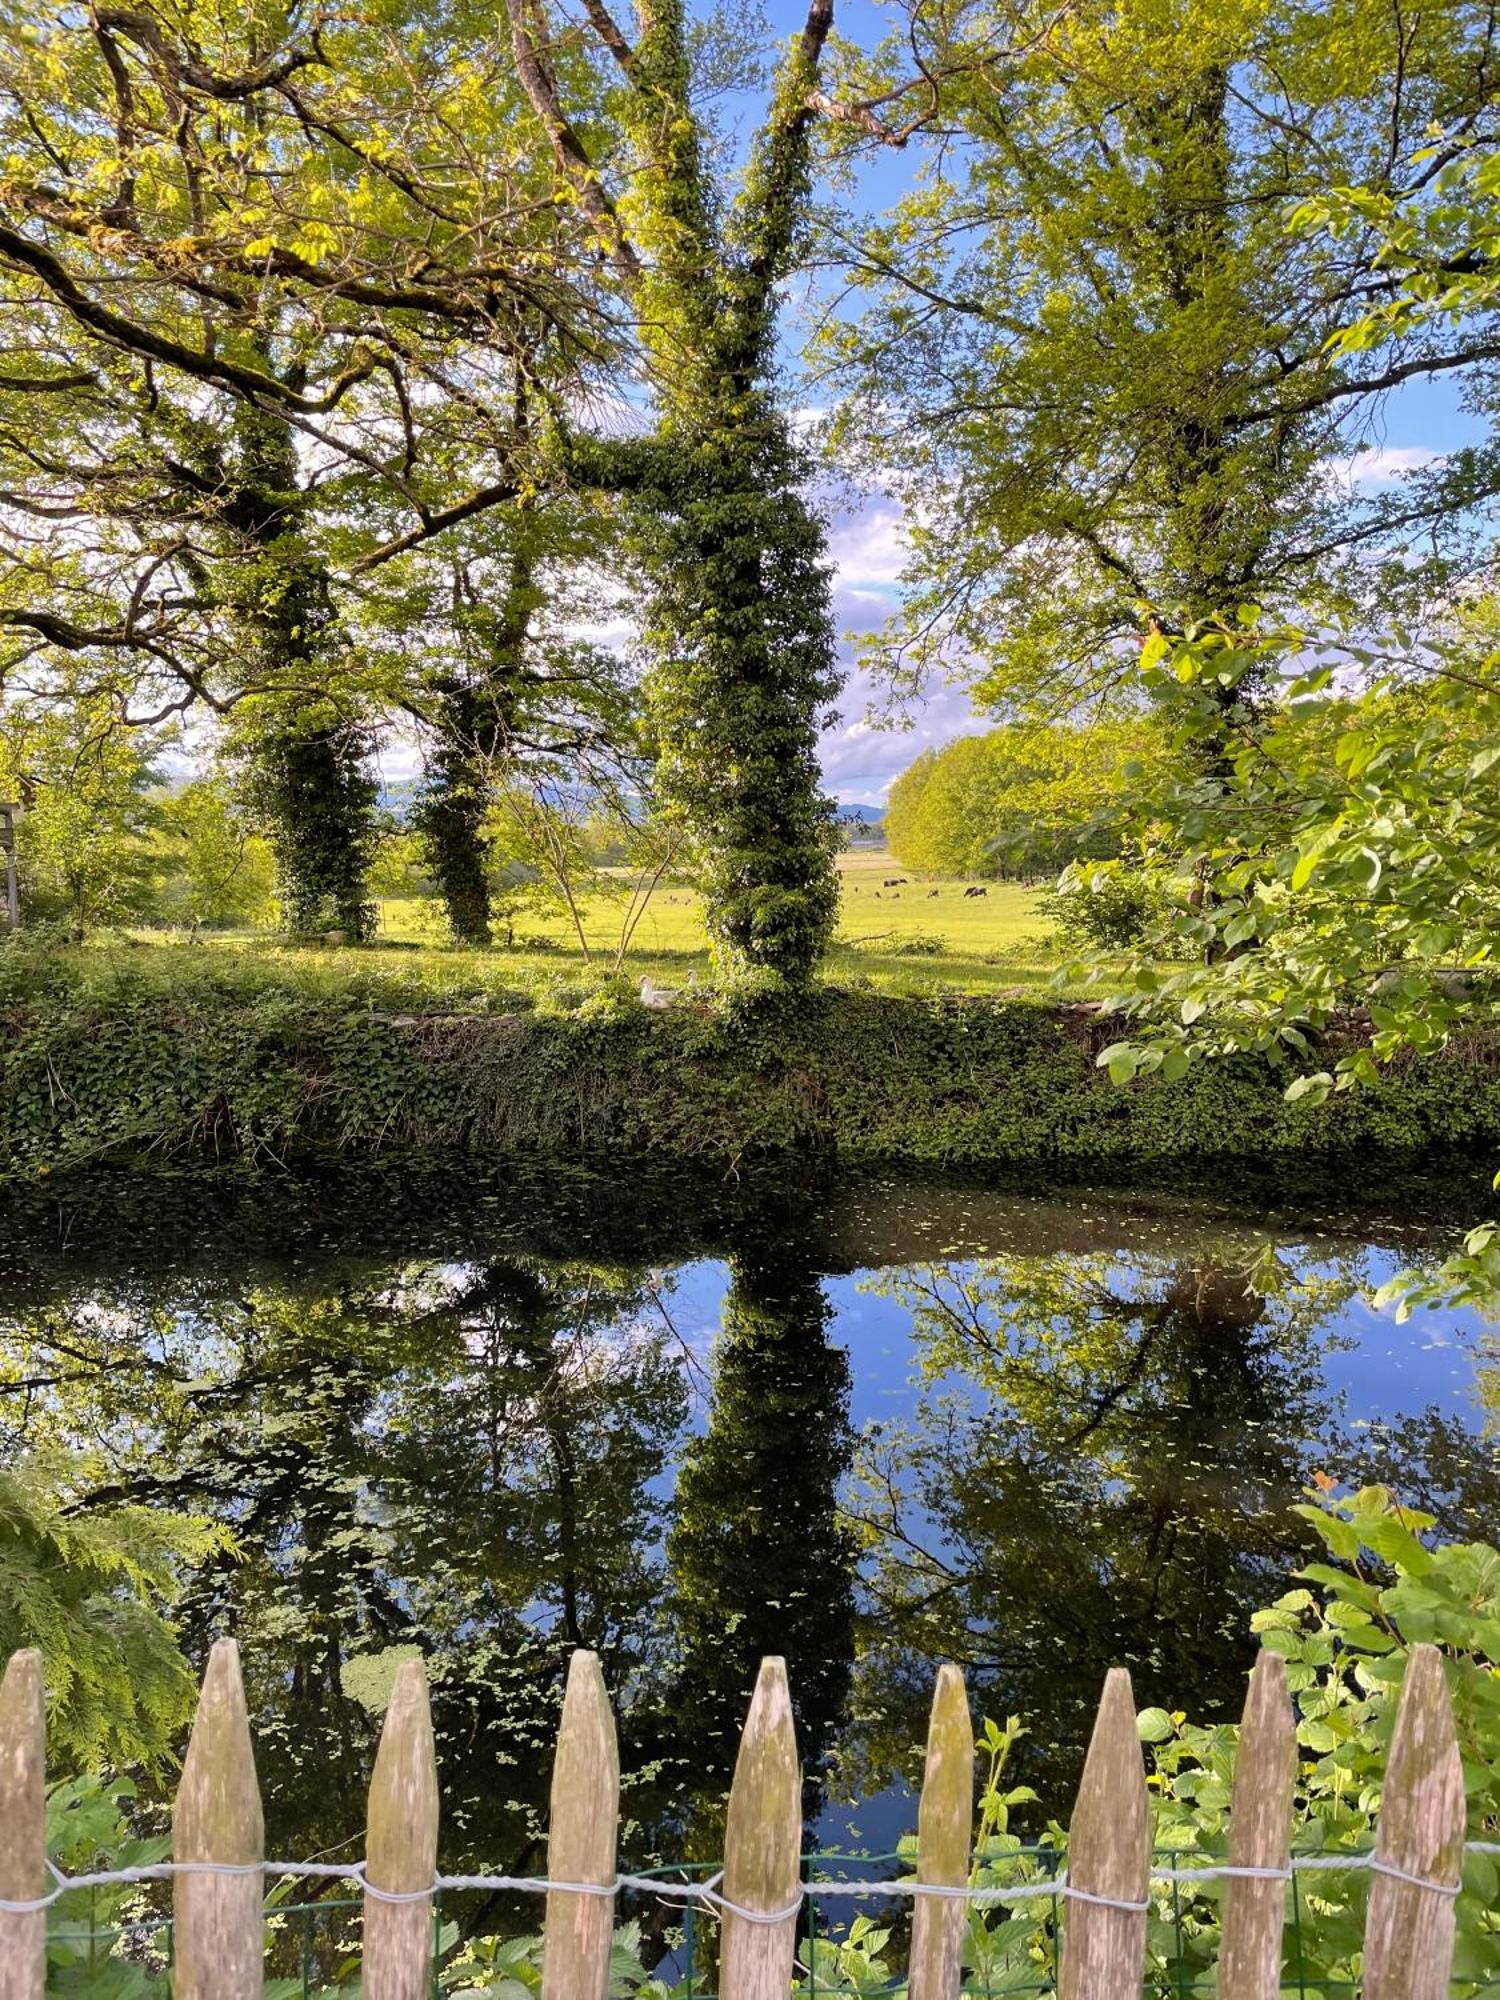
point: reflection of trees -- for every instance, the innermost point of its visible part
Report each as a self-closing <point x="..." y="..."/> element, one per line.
<point x="459" y="1458"/>
<point x="1097" y="1471"/>
<point x="760" y="1560"/>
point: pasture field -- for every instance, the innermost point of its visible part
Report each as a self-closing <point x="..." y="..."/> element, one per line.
<point x="907" y="941"/>
<point x="917" y="938"/>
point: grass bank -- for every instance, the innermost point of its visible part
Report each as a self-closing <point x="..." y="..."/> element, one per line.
<point x="114" y="1054"/>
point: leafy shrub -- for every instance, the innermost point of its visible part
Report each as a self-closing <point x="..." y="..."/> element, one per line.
<point x="1345" y="1650"/>
<point x="1107" y="906"/>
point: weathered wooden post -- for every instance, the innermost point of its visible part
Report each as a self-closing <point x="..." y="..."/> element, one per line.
<point x="763" y="1847"/>
<point x="581" y="1838"/>
<point x="219" y="1933"/>
<point x="944" y="1818"/>
<point x="23" y="1827"/>
<point x="401" y="1846"/>
<point x="1260" y="1836"/>
<point x="1109" y="1858"/>
<point x="1409" y="1927"/>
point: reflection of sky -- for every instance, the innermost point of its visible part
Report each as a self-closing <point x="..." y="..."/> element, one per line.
<point x="1378" y="1368"/>
<point x="1388" y="1370"/>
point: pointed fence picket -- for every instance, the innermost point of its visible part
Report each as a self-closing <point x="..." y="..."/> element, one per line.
<point x="401" y="1846"/>
<point x="763" y="1848"/>
<point x="945" y="1816"/>
<point x="23" y="1827"/>
<point x="219" y="1930"/>
<point x="1260" y="1837"/>
<point x="581" y="1840"/>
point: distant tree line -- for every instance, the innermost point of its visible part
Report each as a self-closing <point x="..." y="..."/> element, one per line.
<point x="1022" y="801"/>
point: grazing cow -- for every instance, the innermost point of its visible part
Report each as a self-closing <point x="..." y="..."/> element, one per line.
<point x="930" y="894"/>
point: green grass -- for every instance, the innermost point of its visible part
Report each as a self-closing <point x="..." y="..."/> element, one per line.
<point x="997" y="942"/>
<point x="994" y="944"/>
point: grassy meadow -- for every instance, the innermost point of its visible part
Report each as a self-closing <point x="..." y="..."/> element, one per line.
<point x="916" y="938"/>
<point x="920" y="939"/>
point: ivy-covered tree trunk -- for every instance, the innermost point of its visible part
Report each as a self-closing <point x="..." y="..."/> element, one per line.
<point x="304" y="743"/>
<point x="471" y="716"/>
<point x="744" y="666"/>
<point x="307" y="777"/>
<point x="741" y="633"/>
<point x="450" y="813"/>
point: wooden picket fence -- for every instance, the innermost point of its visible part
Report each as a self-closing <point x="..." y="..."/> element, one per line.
<point x="216" y="1818"/>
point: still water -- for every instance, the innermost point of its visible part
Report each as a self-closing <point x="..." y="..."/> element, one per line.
<point x="868" y="1426"/>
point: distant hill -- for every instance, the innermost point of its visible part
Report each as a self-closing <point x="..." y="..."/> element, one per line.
<point x="869" y="815"/>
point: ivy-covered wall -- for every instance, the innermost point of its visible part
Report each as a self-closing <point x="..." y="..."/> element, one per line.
<point x="872" y="1079"/>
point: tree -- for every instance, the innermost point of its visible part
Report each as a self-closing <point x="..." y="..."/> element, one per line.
<point x="1025" y="799"/>
<point x="215" y="870"/>
<point x="513" y="702"/>
<point x="1098" y="368"/>
<point x="227" y="368"/>
<point x="84" y="839"/>
<point x="740" y="627"/>
<point x="387" y="305"/>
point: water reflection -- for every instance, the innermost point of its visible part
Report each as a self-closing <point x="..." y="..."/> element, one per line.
<point x="494" y="1421"/>
<point x="761" y="1558"/>
<point x="1096" y="1470"/>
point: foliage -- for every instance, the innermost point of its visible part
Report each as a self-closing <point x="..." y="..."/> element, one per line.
<point x="89" y="1829"/>
<point x="84" y="839"/>
<point x="511" y="1969"/>
<point x="215" y="870"/>
<point x="1341" y="865"/>
<point x="1023" y="800"/>
<point x="91" y="1586"/>
<point x="104" y="1054"/>
<point x="1387" y="1587"/>
<point x="1108" y="908"/>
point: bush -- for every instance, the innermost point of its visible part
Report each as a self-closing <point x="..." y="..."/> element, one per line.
<point x="1109" y="906"/>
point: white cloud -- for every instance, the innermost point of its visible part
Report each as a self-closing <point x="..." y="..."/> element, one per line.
<point x="1385" y="465"/>
<point x="860" y="757"/>
<point x="869" y="548"/>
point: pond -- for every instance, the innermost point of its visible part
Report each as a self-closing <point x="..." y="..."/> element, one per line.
<point x="867" y="1425"/>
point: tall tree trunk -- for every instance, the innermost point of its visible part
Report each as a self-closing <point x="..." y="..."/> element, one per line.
<point x="741" y="625"/>
<point x="472" y="715"/>
<point x="304" y="744"/>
